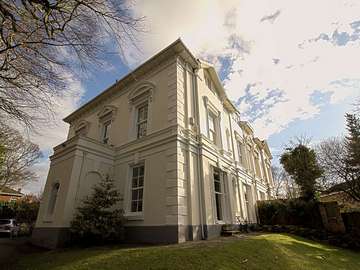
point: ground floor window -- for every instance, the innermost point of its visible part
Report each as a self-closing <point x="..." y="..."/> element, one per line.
<point x="137" y="188"/>
<point x="247" y="198"/>
<point x="218" y="191"/>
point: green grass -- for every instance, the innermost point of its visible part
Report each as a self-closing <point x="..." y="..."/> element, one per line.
<point x="268" y="251"/>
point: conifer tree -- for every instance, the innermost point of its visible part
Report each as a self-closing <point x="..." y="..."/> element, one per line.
<point x="98" y="218"/>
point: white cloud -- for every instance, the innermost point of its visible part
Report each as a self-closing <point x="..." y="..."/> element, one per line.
<point x="282" y="45"/>
<point x="281" y="52"/>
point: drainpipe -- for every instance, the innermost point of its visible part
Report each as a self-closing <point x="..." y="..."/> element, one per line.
<point x="199" y="156"/>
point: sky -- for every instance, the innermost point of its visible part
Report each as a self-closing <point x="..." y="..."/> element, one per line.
<point x="291" y="67"/>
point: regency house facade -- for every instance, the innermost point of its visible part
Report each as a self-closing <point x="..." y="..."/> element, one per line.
<point x="182" y="159"/>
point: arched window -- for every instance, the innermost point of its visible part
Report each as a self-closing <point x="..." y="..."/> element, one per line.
<point x="82" y="128"/>
<point x="53" y="198"/>
<point x="140" y="99"/>
<point x="106" y="117"/>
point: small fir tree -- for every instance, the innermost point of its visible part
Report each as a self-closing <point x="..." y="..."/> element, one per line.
<point x="98" y="219"/>
<point x="301" y="164"/>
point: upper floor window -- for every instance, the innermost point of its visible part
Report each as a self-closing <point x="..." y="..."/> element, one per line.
<point x="142" y="118"/>
<point x="212" y="127"/>
<point x="106" y="117"/>
<point x="257" y="164"/>
<point x="228" y="140"/>
<point x="137" y="188"/>
<point x="141" y="107"/>
<point x="250" y="162"/>
<point x="106" y="131"/>
<point x="240" y="152"/>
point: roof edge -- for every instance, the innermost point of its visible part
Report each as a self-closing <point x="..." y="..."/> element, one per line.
<point x="130" y="76"/>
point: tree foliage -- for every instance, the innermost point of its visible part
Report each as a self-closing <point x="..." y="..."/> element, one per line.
<point x="27" y="209"/>
<point x="24" y="210"/>
<point x="41" y="41"/>
<point x="301" y="164"/>
<point x="340" y="159"/>
<point x="97" y="218"/>
<point x="19" y="155"/>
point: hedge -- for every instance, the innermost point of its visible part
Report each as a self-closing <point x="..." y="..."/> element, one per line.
<point x="290" y="212"/>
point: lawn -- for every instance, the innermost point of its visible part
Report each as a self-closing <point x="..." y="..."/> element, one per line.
<point x="268" y="251"/>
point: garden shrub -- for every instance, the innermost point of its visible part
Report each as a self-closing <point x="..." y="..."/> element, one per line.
<point x="98" y="221"/>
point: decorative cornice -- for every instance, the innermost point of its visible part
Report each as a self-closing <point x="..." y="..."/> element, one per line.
<point x="176" y="48"/>
<point x="108" y="109"/>
<point x="145" y="88"/>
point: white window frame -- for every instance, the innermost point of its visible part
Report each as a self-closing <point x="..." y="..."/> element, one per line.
<point x="140" y="122"/>
<point x="257" y="164"/>
<point x="219" y="196"/>
<point x="212" y="133"/>
<point x="247" y="200"/>
<point x="212" y="112"/>
<point x="106" y="118"/>
<point x="128" y="195"/>
<point x="239" y="146"/>
<point x="228" y="140"/>
<point x="138" y="187"/>
<point x="105" y="133"/>
<point x="143" y="93"/>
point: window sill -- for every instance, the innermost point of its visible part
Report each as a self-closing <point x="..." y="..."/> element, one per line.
<point x="48" y="220"/>
<point x="134" y="216"/>
<point x="225" y="152"/>
<point x="220" y="222"/>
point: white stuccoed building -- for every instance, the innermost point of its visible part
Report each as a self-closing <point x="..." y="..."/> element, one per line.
<point x="176" y="147"/>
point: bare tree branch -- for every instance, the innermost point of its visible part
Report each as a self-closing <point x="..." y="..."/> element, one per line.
<point x="39" y="39"/>
<point x="18" y="156"/>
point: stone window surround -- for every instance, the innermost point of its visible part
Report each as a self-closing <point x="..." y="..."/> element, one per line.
<point x="52" y="201"/>
<point x="82" y="127"/>
<point x="138" y="96"/>
<point x="106" y="116"/>
<point x="224" y="204"/>
<point x="241" y="155"/>
<point x="210" y="108"/>
<point x="144" y="107"/>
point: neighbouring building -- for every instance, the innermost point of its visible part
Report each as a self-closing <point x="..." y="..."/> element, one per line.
<point x="182" y="158"/>
<point x="10" y="195"/>
<point x="336" y="194"/>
